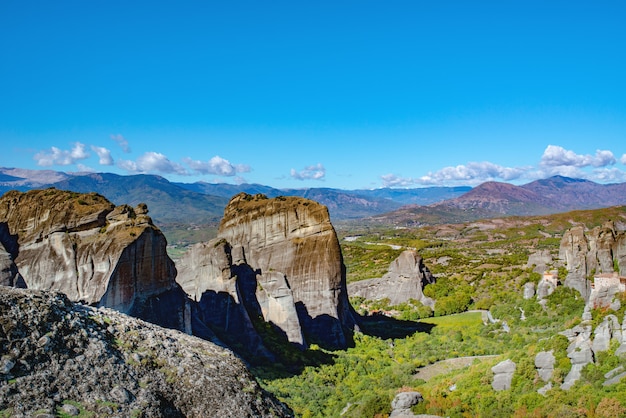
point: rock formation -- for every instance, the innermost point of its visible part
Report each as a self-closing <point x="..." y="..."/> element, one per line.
<point x="544" y="362"/>
<point x="579" y="352"/>
<point x="402" y="403"/>
<point x="276" y="259"/>
<point x="609" y="329"/>
<point x="91" y="250"/>
<point x="503" y="375"/>
<point x="58" y="358"/>
<point x="405" y="280"/>
<point x="584" y="253"/>
<point x="528" y="290"/>
<point x="539" y="261"/>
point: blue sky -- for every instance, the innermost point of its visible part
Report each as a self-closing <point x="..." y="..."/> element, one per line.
<point x="350" y="94"/>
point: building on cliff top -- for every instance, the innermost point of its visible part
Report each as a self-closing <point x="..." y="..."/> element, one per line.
<point x="607" y="280"/>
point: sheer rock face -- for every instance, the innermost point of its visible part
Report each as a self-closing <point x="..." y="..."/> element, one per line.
<point x="89" y="249"/>
<point x="207" y="274"/>
<point x="405" y="280"/>
<point x="285" y="258"/>
<point x="598" y="250"/>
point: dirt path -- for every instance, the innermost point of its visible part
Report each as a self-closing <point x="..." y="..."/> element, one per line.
<point x="444" y="366"/>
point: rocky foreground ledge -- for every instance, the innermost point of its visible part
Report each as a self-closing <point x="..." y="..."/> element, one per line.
<point x="58" y="357"/>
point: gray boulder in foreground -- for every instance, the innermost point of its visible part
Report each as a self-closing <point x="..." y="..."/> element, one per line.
<point x="56" y="353"/>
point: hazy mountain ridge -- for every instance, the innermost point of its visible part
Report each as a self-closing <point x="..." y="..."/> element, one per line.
<point x="167" y="202"/>
<point x="203" y="202"/>
<point x="495" y="199"/>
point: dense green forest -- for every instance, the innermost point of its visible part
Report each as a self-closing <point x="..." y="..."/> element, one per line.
<point x="479" y="266"/>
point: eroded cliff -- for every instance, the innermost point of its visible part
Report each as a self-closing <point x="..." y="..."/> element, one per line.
<point x="585" y="253"/>
<point x="91" y="250"/>
<point x="275" y="258"/>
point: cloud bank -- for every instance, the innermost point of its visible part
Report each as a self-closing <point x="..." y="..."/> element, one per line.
<point x="555" y="160"/>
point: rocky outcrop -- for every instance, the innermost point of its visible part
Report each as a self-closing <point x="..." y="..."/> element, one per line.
<point x="277" y="259"/>
<point x="609" y="329"/>
<point x="59" y="357"/>
<point x="540" y="261"/>
<point x="544" y="363"/>
<point x="503" y="375"/>
<point x="405" y="280"/>
<point x="91" y="250"/>
<point x="597" y="251"/>
<point x="528" y="290"/>
<point x="579" y="352"/>
<point x="614" y="376"/>
<point x="402" y="403"/>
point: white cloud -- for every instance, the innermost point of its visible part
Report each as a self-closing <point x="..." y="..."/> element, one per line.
<point x="122" y="142"/>
<point x="152" y="162"/>
<point x="104" y="155"/>
<point x="555" y="156"/>
<point x="56" y="156"/>
<point x="471" y="173"/>
<point x="312" y="172"/>
<point x="608" y="175"/>
<point x="391" y="180"/>
<point x="555" y="160"/>
<point x="216" y="165"/>
<point x="84" y="168"/>
<point x="562" y="170"/>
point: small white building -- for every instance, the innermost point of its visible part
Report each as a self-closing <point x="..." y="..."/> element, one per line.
<point x="551" y="277"/>
<point x="608" y="280"/>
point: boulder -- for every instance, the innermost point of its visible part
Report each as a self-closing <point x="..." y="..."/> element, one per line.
<point x="111" y="364"/>
<point x="544" y="288"/>
<point x="614" y="376"/>
<point x="406" y="278"/>
<point x="544" y="389"/>
<point x="402" y="403"/>
<point x="544" y="362"/>
<point x="529" y="290"/>
<point x="539" y="261"/>
<point x="579" y="352"/>
<point x="503" y="375"/>
<point x="608" y="329"/>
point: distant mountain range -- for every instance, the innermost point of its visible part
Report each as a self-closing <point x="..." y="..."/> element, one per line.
<point x="205" y="202"/>
<point x="493" y="199"/>
<point x="202" y="202"/>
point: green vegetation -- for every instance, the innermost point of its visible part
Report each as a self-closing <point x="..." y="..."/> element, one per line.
<point x="480" y="265"/>
<point x="181" y="236"/>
